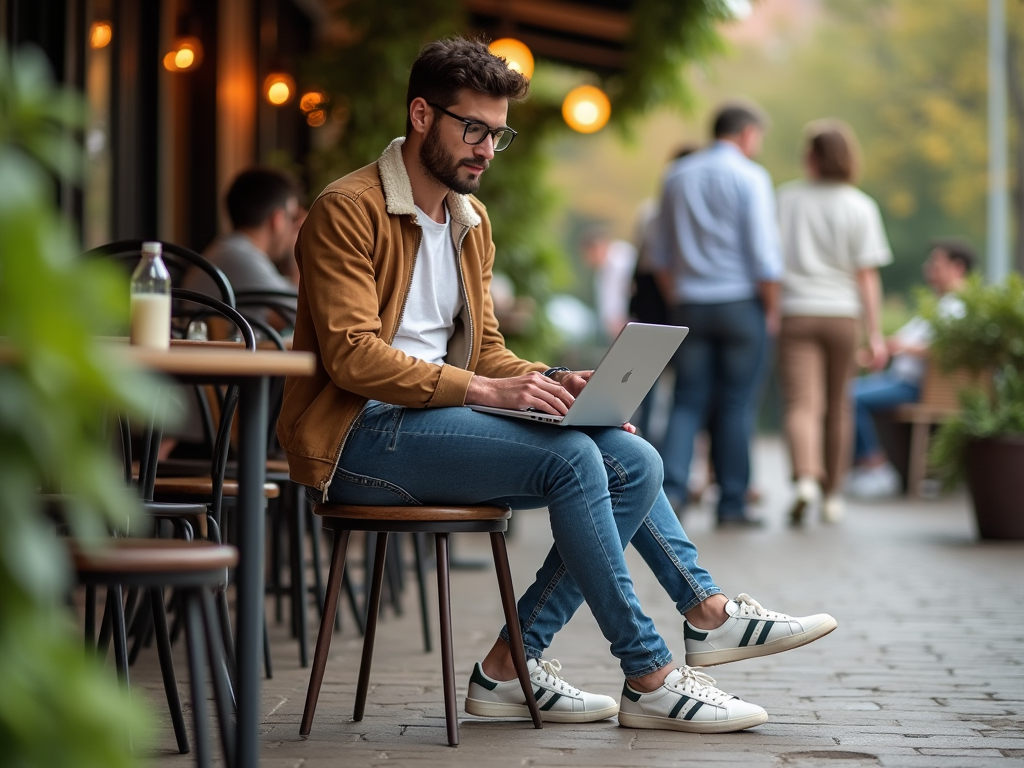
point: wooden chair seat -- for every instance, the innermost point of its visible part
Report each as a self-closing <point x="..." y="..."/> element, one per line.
<point x="150" y="556"/>
<point x="203" y="486"/>
<point x="443" y="515"/>
<point x="195" y="569"/>
<point x="441" y="521"/>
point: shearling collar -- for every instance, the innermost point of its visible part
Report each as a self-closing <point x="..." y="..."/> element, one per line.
<point x="398" y="189"/>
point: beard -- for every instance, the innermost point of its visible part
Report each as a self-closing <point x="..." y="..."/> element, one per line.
<point x="442" y="165"/>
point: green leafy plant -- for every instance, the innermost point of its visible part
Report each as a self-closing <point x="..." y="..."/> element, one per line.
<point x="987" y="340"/>
<point x="58" y="384"/>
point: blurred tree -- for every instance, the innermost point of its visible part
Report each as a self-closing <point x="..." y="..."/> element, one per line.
<point x="365" y="76"/>
<point x="917" y="73"/>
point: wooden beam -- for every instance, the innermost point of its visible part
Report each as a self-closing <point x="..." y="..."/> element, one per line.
<point x="584" y="54"/>
<point x="557" y="15"/>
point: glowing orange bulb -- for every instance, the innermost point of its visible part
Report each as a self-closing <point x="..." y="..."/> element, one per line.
<point x="186" y="55"/>
<point x="184" y="58"/>
<point x="515" y="53"/>
<point x="100" y="34"/>
<point x="312" y="100"/>
<point x="316" y="118"/>
<point x="586" y="109"/>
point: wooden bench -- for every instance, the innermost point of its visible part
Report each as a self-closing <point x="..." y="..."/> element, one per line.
<point x="939" y="401"/>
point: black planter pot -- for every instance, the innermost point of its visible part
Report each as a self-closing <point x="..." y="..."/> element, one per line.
<point x="995" y="477"/>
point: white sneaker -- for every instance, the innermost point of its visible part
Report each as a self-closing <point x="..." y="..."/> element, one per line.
<point x="832" y="509"/>
<point x="558" y="701"/>
<point x="751" y="631"/>
<point x="688" y="701"/>
<point x="808" y="492"/>
<point x="875" y="482"/>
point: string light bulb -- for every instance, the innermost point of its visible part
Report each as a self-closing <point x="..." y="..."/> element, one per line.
<point x="586" y="109"/>
<point x="186" y="55"/>
<point x="515" y="53"/>
<point x="100" y="34"/>
<point x="279" y="88"/>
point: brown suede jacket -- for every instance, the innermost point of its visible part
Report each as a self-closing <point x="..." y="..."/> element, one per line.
<point x="356" y="252"/>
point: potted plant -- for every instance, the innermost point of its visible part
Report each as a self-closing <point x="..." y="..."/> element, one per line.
<point x="984" y="443"/>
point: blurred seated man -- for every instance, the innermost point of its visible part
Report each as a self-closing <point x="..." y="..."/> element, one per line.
<point x="945" y="270"/>
<point x="259" y="253"/>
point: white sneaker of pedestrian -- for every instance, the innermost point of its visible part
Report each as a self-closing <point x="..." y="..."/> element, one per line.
<point x="559" y="702"/>
<point x="688" y="701"/>
<point x="751" y="631"/>
<point x="807" y="492"/>
<point x="875" y="482"/>
<point x="832" y="509"/>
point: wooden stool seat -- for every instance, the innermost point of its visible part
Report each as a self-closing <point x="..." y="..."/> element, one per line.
<point x="441" y="515"/>
<point x="203" y="486"/>
<point x="441" y="521"/>
<point x="195" y="569"/>
<point x="148" y="556"/>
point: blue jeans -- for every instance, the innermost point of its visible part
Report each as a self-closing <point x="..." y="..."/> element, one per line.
<point x="876" y="392"/>
<point x="719" y="369"/>
<point x="602" y="489"/>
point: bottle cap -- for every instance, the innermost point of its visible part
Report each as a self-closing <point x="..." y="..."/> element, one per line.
<point x="152" y="246"/>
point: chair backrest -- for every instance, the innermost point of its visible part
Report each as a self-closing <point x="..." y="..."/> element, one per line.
<point x="177" y="258"/>
<point x="263" y="303"/>
<point x="941" y="389"/>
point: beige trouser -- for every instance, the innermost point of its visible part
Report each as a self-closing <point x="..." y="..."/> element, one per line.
<point x="815" y="364"/>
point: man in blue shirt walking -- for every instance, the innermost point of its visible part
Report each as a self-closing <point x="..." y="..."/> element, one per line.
<point x="717" y="249"/>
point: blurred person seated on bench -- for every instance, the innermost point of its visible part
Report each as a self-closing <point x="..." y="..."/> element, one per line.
<point x="945" y="270"/>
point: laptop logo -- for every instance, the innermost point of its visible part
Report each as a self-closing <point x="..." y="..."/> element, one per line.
<point x="628" y="374"/>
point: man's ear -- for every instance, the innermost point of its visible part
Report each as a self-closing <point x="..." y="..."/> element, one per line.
<point x="420" y="115"/>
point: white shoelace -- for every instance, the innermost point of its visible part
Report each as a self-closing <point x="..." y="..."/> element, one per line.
<point x="549" y="671"/>
<point x="699" y="685"/>
<point x="749" y="604"/>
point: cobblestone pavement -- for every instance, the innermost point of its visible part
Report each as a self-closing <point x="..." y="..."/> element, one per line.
<point x="925" y="670"/>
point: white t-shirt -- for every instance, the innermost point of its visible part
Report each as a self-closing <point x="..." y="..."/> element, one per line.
<point x="917" y="332"/>
<point x="829" y="232"/>
<point x="435" y="296"/>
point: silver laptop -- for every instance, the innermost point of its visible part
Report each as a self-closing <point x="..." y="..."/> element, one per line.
<point x="620" y="382"/>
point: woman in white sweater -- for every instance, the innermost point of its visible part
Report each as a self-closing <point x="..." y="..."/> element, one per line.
<point x="833" y="242"/>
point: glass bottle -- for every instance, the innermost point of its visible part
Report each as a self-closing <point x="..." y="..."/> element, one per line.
<point x="151" y="300"/>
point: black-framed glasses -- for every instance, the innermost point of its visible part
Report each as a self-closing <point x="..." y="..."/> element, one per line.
<point x="475" y="132"/>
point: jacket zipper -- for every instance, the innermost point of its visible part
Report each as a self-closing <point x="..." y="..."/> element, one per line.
<point x="326" y="484"/>
<point x="465" y="295"/>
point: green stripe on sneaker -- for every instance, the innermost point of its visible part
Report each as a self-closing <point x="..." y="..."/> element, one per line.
<point x="551" y="702"/>
<point x="689" y="633"/>
<point x="679" y="705"/>
<point x="629" y="693"/>
<point x="537" y="693"/>
<point x="693" y="710"/>
<point x="764" y="632"/>
<point x="748" y="634"/>
<point x="478" y="678"/>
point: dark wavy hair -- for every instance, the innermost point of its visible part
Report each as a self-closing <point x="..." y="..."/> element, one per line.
<point x="447" y="66"/>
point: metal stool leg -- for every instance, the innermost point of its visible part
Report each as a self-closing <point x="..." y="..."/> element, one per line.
<point x="372" y="609"/>
<point x="323" y="639"/>
<point x="421" y="583"/>
<point x="163" y="647"/>
<point x="444" y="610"/>
<point x="515" y="634"/>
